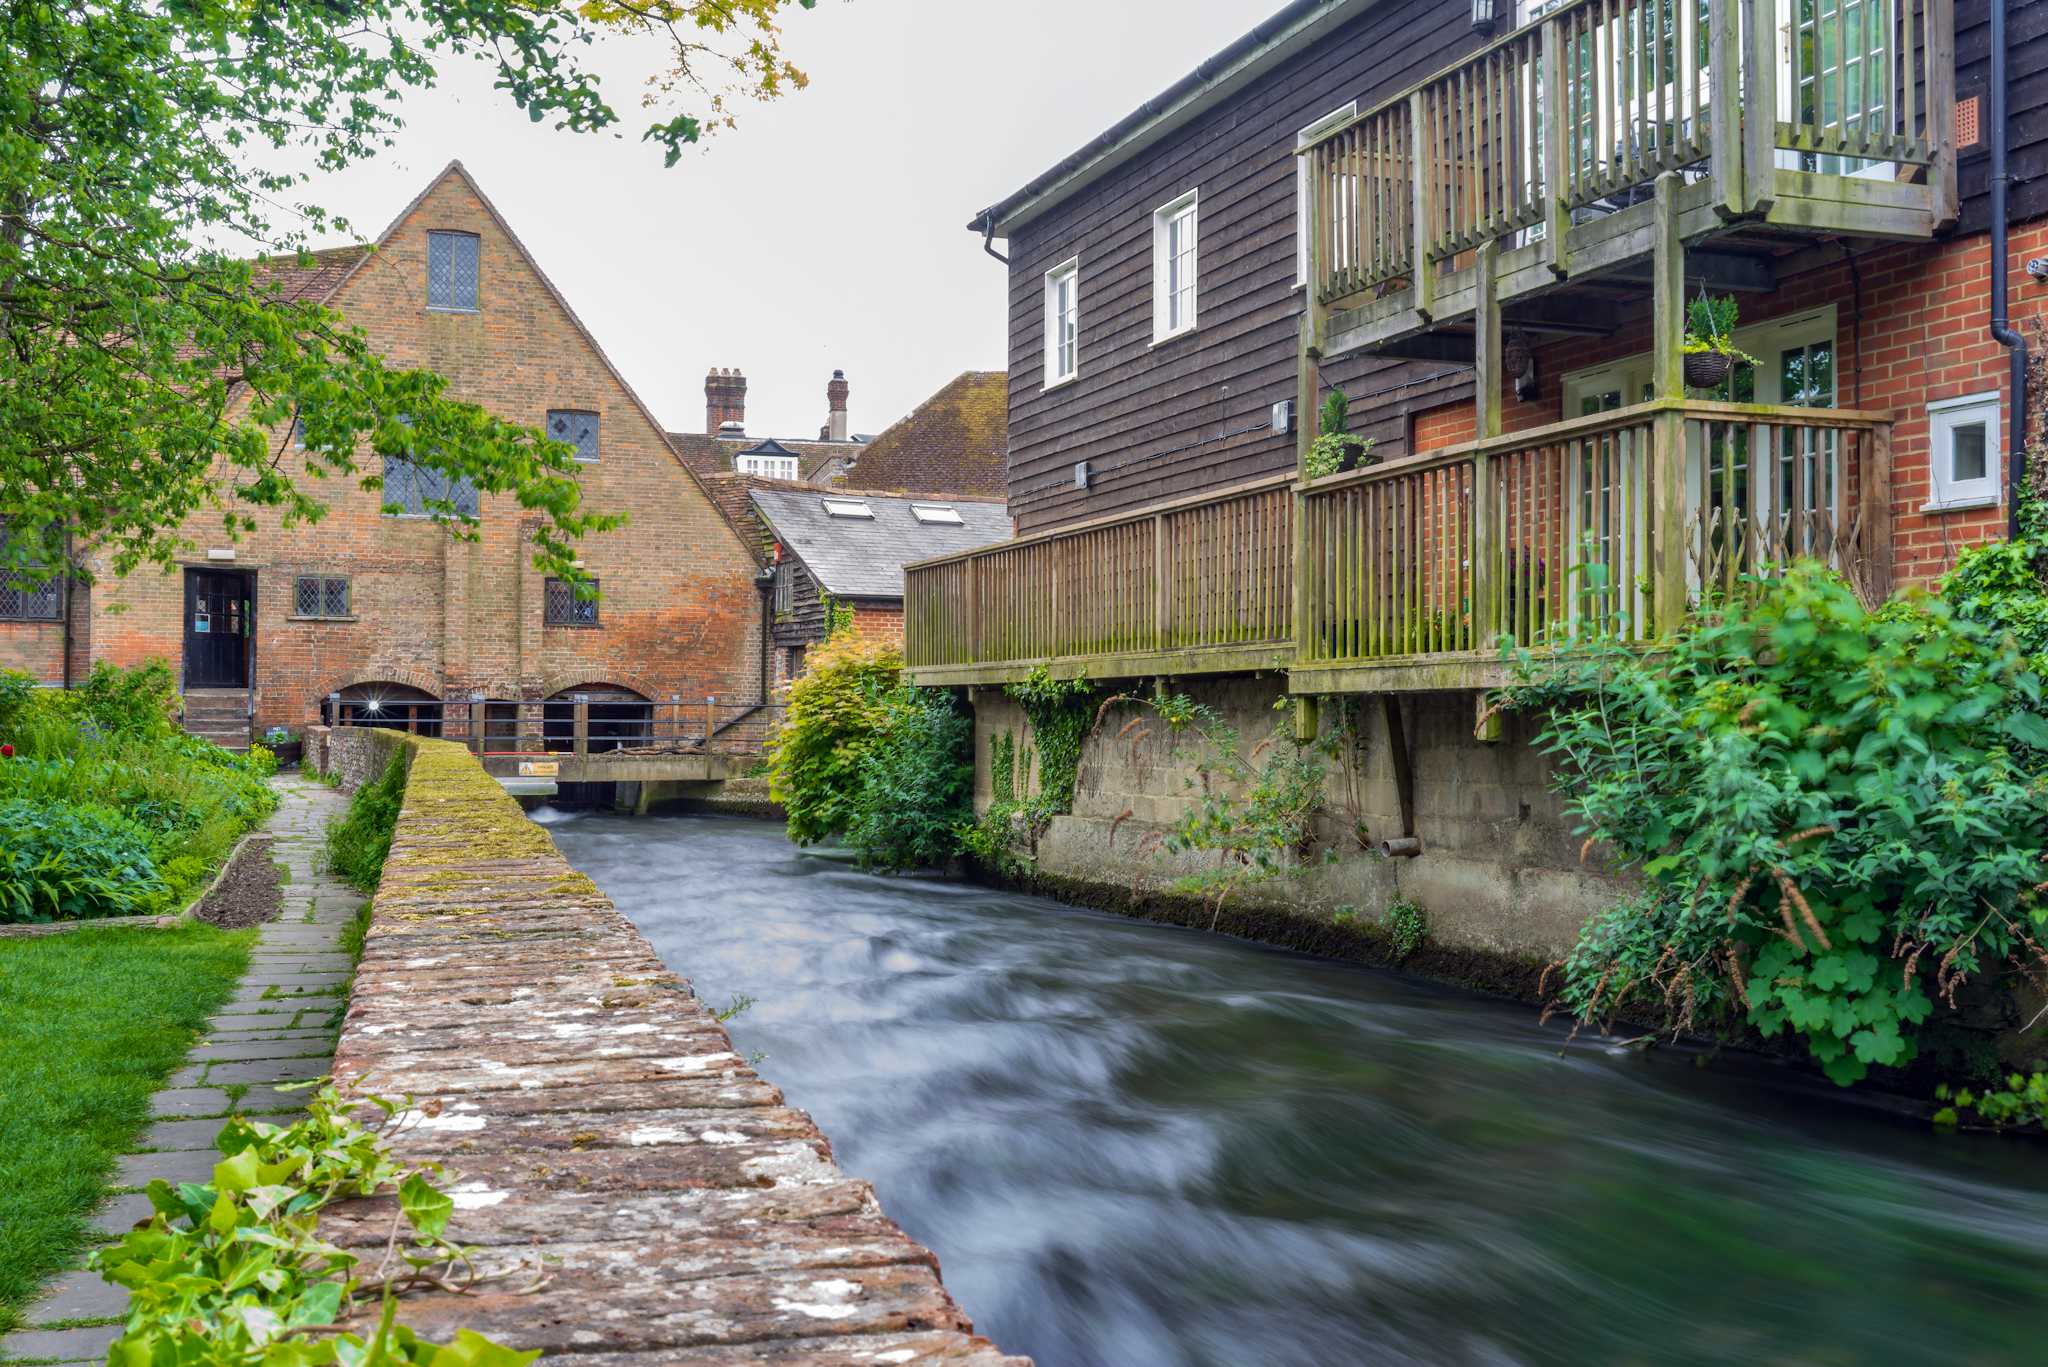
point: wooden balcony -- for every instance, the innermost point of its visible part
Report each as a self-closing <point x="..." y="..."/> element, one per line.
<point x="1409" y="576"/>
<point x="1783" y="121"/>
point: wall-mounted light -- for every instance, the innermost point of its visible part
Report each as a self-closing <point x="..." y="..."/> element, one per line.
<point x="1483" y="16"/>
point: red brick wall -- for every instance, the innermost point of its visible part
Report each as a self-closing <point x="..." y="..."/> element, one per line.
<point x="879" y="623"/>
<point x="34" y="648"/>
<point x="1436" y="428"/>
<point x="1922" y="337"/>
<point x="679" y="613"/>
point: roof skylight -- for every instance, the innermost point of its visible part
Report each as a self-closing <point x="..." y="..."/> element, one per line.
<point x="938" y="514"/>
<point x="848" y="507"/>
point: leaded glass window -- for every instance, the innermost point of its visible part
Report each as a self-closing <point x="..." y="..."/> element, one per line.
<point x="564" y="609"/>
<point x="577" y="428"/>
<point x="23" y="599"/>
<point x="416" y="491"/>
<point x="452" y="270"/>
<point x="320" y="596"/>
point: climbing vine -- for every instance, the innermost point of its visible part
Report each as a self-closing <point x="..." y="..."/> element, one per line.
<point x="233" y="1271"/>
<point x="1060" y="716"/>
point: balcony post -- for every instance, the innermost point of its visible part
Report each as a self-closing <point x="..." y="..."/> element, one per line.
<point x="1422" y="219"/>
<point x="1486" y="383"/>
<point x="1760" y="117"/>
<point x="973" y="633"/>
<point x="1725" y="105"/>
<point x="1875" y="485"/>
<point x="1666" y="465"/>
<point x="1941" y="109"/>
<point x="1556" y="182"/>
<point x="582" y="724"/>
<point x="1162" y="608"/>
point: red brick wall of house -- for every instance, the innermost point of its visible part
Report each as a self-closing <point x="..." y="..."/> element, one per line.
<point x="1922" y="337"/>
<point x="878" y="623"/>
<point x="679" y="613"/>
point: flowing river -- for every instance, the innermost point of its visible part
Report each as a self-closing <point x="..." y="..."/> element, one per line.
<point x="1134" y="1145"/>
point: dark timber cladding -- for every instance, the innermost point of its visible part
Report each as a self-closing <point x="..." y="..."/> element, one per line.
<point x="1161" y="421"/>
<point x="1190" y="415"/>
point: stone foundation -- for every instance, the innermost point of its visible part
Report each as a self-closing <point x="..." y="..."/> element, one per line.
<point x="1500" y="874"/>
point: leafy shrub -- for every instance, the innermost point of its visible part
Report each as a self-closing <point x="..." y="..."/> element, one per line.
<point x="17" y="690"/>
<point x="838" y="712"/>
<point x="1407" y="927"/>
<point x="1999" y="586"/>
<point x="136" y="702"/>
<point x="2022" y="1102"/>
<point x="64" y="862"/>
<point x="1840" y="816"/>
<point x="359" y="841"/>
<point x="917" y="787"/>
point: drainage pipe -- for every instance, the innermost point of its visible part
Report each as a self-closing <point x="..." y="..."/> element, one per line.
<point x="2002" y="330"/>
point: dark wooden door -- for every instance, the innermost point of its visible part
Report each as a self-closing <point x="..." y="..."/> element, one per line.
<point x="219" y="628"/>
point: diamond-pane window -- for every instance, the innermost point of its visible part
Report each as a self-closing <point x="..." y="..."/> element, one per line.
<point x="415" y="491"/>
<point x="577" y="428"/>
<point x="316" y="595"/>
<point x="452" y="271"/>
<point x="564" y="609"/>
<point x="22" y="601"/>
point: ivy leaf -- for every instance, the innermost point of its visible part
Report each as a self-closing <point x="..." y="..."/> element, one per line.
<point x="425" y="1206"/>
<point x="471" y="1349"/>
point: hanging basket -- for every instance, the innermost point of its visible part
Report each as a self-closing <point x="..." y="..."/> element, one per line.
<point x="1707" y="369"/>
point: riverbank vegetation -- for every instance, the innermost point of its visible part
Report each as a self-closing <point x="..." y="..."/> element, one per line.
<point x="359" y="841"/>
<point x="91" y="1022"/>
<point x="106" y="807"/>
<point x="864" y="757"/>
<point x="1840" y="815"/>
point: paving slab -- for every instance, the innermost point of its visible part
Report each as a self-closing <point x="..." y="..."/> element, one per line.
<point x="62" y="1345"/>
<point x="180" y="1134"/>
<point x="174" y="1166"/>
<point x="307" y="1042"/>
<point x="78" y="1295"/>
<point x="293" y="1069"/>
<point x="122" y="1213"/>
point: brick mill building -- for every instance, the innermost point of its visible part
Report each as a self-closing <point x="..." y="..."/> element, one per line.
<point x="388" y="612"/>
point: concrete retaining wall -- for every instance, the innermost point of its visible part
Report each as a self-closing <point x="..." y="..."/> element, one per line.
<point x="593" y="1112"/>
<point x="1501" y="872"/>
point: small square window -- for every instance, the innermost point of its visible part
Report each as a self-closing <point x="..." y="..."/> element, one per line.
<point x="577" y="428"/>
<point x="1063" y="322"/>
<point x="564" y="609"/>
<point x="452" y="271"/>
<point x="1965" y="456"/>
<point x="316" y="595"/>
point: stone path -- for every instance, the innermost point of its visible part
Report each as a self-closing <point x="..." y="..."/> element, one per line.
<point x="279" y="1027"/>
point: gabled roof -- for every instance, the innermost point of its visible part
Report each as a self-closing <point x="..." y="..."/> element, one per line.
<point x="956" y="442"/>
<point x="317" y="277"/>
<point x="713" y="455"/>
<point x="1296" y="28"/>
<point x="858" y="557"/>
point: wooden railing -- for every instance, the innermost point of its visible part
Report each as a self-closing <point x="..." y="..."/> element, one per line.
<point x="1578" y="112"/>
<point x="1521" y="536"/>
<point x="1214" y="571"/>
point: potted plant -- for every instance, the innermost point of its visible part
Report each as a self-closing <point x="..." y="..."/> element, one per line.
<point x="1710" y="355"/>
<point x="284" y="743"/>
<point x="1335" y="449"/>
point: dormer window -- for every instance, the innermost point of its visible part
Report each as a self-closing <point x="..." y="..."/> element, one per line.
<point x="452" y="271"/>
<point x="768" y="467"/>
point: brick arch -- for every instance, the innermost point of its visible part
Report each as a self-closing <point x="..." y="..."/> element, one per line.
<point x="572" y="680"/>
<point x="412" y="678"/>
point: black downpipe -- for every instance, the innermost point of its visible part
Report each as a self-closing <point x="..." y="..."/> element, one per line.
<point x="988" y="236"/>
<point x="2001" y="328"/>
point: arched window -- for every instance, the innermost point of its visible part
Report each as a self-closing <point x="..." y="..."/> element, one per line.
<point x="617" y="718"/>
<point x="400" y="707"/>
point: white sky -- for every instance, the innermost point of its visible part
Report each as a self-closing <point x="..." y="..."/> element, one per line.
<point x="828" y="230"/>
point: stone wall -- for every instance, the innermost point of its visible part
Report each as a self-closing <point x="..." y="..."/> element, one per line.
<point x="1500" y="870"/>
<point x="356" y="755"/>
<point x="595" y="1114"/>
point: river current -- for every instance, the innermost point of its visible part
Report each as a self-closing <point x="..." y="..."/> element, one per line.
<point x="1134" y="1146"/>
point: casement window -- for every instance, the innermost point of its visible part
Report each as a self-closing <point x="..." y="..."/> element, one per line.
<point x="452" y="271"/>
<point x="577" y="428"/>
<point x="1302" y="225"/>
<point x="23" y="598"/>
<point x="785" y="587"/>
<point x="1175" y="234"/>
<point x="316" y="595"/>
<point x="1063" y="322"/>
<point x="415" y="491"/>
<point x="562" y="608"/>
<point x="1963" y="436"/>
<point x="769" y="467"/>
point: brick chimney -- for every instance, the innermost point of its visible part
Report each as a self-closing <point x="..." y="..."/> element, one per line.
<point x="835" y="402"/>
<point x="725" y="400"/>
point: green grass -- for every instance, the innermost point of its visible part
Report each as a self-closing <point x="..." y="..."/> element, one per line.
<point x="90" y="1024"/>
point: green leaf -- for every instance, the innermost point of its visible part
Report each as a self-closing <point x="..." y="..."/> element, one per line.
<point x="425" y="1206"/>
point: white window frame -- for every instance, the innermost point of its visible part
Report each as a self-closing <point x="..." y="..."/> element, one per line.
<point x="1948" y="494"/>
<point x="1063" y="368"/>
<point x="769" y="467"/>
<point x="1301" y="186"/>
<point x="1164" y="327"/>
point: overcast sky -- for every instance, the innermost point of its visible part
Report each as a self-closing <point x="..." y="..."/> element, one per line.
<point x="828" y="230"/>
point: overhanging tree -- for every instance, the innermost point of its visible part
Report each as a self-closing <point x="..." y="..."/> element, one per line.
<point x="147" y="367"/>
